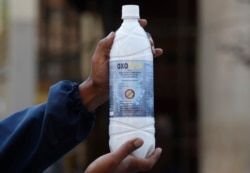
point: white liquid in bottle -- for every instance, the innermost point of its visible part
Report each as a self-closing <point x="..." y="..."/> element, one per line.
<point x="131" y="85"/>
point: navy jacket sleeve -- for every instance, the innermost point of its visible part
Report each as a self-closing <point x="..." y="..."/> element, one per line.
<point x="34" y="138"/>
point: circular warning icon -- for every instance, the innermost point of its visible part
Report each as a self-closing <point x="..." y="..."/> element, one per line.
<point x="129" y="93"/>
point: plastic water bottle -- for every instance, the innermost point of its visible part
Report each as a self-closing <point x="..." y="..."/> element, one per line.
<point x="131" y="85"/>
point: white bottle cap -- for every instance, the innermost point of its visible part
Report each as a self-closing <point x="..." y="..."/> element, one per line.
<point x="130" y="11"/>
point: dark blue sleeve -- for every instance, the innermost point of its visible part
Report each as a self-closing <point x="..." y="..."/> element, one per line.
<point x="34" y="138"/>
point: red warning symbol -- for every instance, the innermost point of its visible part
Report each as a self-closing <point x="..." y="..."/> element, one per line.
<point x="129" y="93"/>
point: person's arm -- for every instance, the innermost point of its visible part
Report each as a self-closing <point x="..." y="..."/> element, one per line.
<point x="34" y="138"/>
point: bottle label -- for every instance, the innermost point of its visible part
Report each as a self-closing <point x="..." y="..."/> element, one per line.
<point x="131" y="88"/>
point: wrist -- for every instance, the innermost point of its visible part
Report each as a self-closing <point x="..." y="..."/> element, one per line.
<point x="92" y="96"/>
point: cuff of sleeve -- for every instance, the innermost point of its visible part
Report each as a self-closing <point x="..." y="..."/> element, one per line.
<point x="75" y="114"/>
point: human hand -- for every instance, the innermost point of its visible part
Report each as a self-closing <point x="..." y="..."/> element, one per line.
<point x="95" y="90"/>
<point x="120" y="161"/>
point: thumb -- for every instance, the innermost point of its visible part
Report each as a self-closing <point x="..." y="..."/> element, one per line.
<point x="127" y="148"/>
<point x="106" y="42"/>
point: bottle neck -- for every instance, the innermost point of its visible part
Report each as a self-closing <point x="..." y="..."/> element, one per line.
<point x="131" y="21"/>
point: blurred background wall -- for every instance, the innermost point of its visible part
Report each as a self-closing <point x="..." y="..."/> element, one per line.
<point x="18" y="54"/>
<point x="3" y="54"/>
<point x="224" y="83"/>
<point x="202" y="80"/>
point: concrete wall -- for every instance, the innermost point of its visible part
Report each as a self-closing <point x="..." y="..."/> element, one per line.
<point x="20" y="85"/>
<point x="224" y="87"/>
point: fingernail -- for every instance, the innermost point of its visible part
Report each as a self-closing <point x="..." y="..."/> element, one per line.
<point x="138" y="142"/>
<point x="110" y="34"/>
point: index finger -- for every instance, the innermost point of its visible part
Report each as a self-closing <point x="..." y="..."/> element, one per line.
<point x="104" y="45"/>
